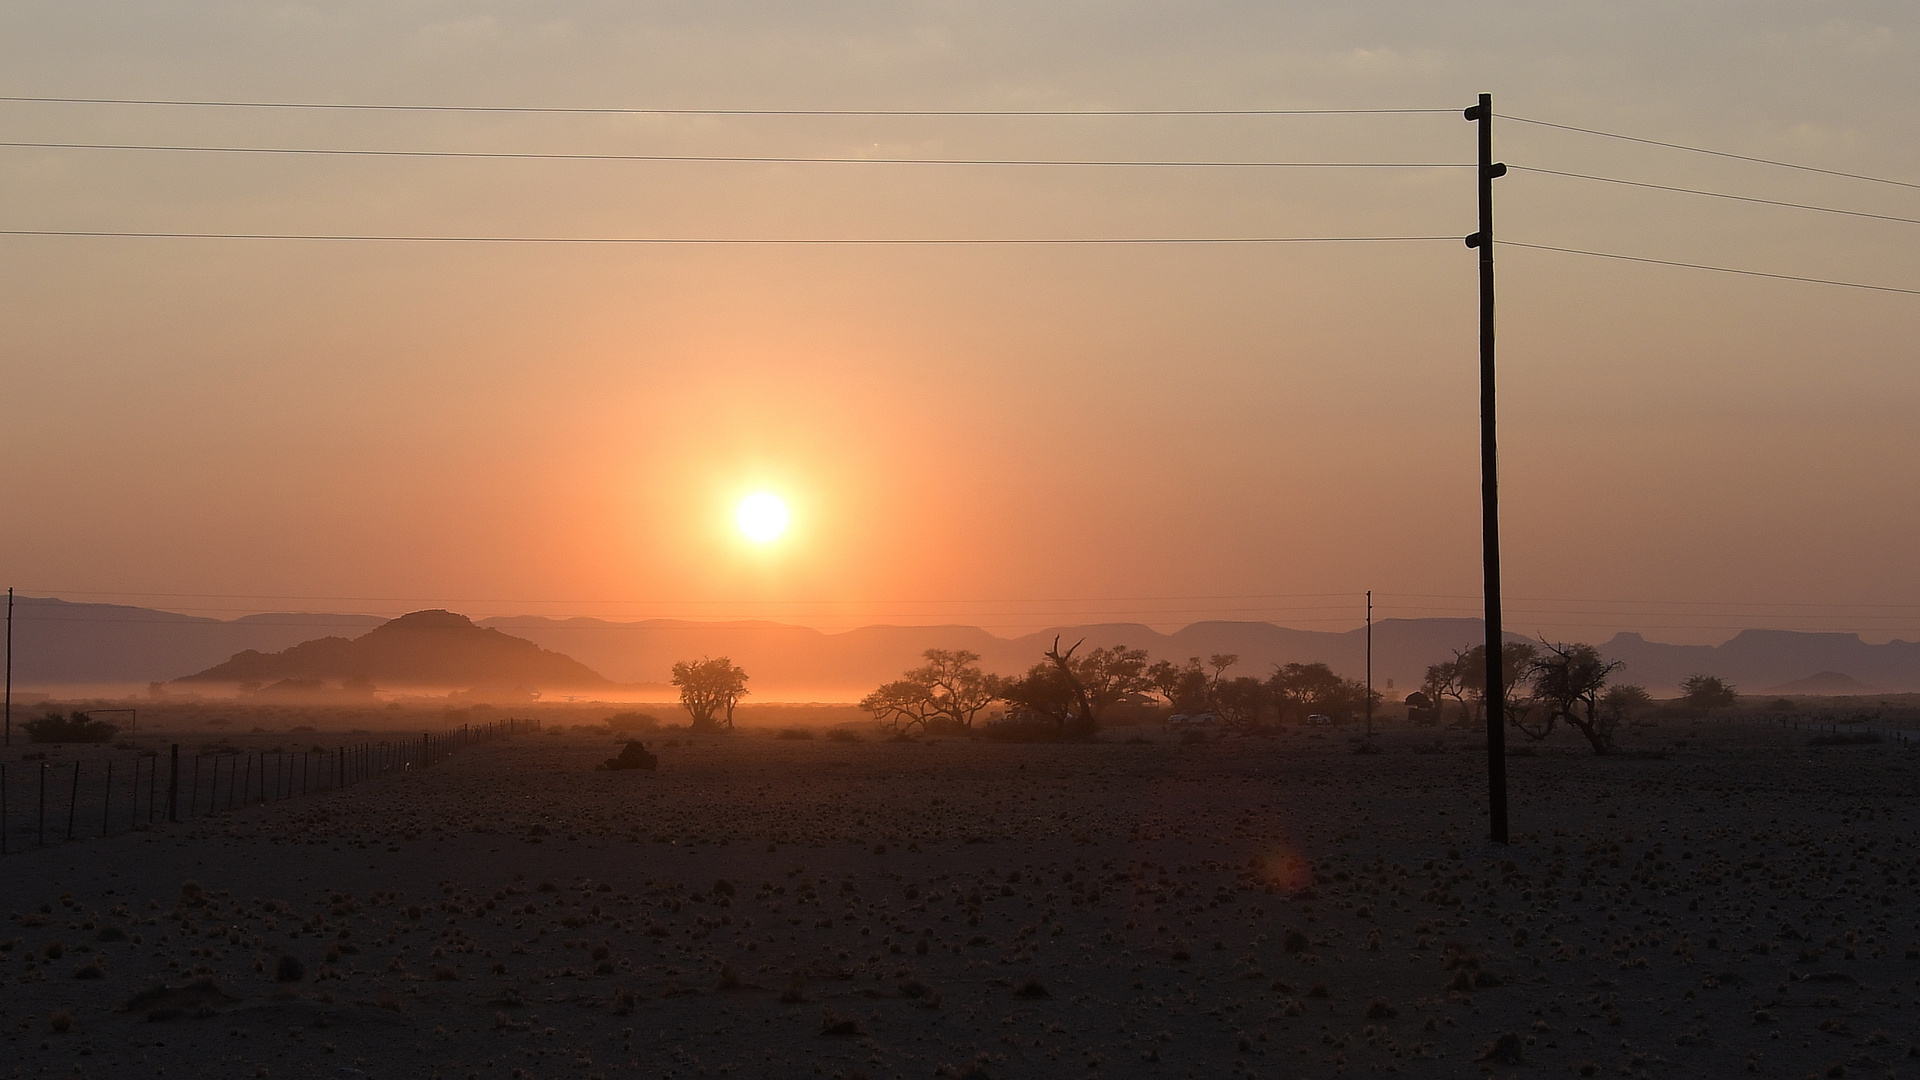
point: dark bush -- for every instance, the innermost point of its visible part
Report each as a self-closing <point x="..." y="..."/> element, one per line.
<point x="633" y="756"/>
<point x="78" y="728"/>
<point x="633" y="721"/>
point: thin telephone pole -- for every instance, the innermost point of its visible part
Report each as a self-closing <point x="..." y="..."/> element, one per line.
<point x="9" y="731"/>
<point x="1490" y="170"/>
<point x="1369" y="663"/>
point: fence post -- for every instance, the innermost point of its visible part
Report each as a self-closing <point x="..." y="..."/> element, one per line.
<point x="3" y="809"/>
<point x="173" y="783"/>
<point x="106" y="803"/>
<point x="73" y="799"/>
<point x="43" y="804"/>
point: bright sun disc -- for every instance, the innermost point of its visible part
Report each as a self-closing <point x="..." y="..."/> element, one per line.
<point x="762" y="517"/>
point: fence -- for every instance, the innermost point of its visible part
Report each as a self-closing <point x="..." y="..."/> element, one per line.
<point x="1899" y="736"/>
<point x="84" y="800"/>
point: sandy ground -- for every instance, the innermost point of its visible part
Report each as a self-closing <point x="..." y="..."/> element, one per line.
<point x="761" y="907"/>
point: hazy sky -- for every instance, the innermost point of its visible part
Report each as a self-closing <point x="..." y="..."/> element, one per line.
<point x="1001" y="436"/>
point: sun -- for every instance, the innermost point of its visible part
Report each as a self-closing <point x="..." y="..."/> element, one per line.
<point x="762" y="517"/>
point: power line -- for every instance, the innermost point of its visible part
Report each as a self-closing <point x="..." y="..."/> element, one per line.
<point x="750" y="159"/>
<point x="1238" y="597"/>
<point x="749" y="241"/>
<point x="1713" y="153"/>
<point x="556" y="110"/>
<point x="1710" y="194"/>
<point x="1592" y="600"/>
<point x="1716" y="269"/>
<point x="771" y="626"/>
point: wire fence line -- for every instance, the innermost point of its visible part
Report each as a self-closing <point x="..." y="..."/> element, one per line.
<point x="44" y="803"/>
<point x="1863" y="729"/>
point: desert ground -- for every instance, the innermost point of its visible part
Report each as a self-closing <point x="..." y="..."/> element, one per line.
<point x="1721" y="899"/>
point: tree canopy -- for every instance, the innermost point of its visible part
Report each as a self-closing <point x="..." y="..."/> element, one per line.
<point x="949" y="690"/>
<point x="1569" y="682"/>
<point x="1704" y="693"/>
<point x="709" y="690"/>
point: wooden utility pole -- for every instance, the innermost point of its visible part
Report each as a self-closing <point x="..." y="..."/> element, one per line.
<point x="1369" y="663"/>
<point x="1489" y="171"/>
<point x="9" y="731"/>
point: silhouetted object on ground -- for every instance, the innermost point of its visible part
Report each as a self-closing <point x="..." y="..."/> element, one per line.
<point x="1569" y="682"/>
<point x="78" y="728"/>
<point x="709" y="691"/>
<point x="634" y="755"/>
<point x="1701" y="694"/>
<point x="1422" y="709"/>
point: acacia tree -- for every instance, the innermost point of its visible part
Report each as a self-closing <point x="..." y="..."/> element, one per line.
<point x="1445" y="680"/>
<point x="1622" y="700"/>
<point x="1569" y="681"/>
<point x="1077" y="690"/>
<point x="1705" y="693"/>
<point x="1184" y="686"/>
<point x="901" y="704"/>
<point x="1241" y="700"/>
<point x="1516" y="666"/>
<point x="710" y="687"/>
<point x="948" y="690"/>
<point x="1300" y="689"/>
<point x="1044" y="691"/>
<point x="1110" y="676"/>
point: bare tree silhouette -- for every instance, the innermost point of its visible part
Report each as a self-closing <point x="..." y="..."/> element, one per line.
<point x="1568" y="682"/>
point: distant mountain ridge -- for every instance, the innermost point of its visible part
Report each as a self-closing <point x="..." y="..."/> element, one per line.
<point x="62" y="643"/>
<point x="58" y="643"/>
<point x="425" y="648"/>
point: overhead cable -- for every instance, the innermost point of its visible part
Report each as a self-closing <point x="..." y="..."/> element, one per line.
<point x="1714" y="153"/>
<point x="610" y="111"/>
<point x="1716" y="269"/>
<point x="751" y="159"/>
<point x="1714" y="194"/>
<point x="750" y="241"/>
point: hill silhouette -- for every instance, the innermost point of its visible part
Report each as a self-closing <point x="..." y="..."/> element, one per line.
<point x="1824" y="684"/>
<point x="424" y="648"/>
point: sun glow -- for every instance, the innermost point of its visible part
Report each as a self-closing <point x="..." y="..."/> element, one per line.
<point x="762" y="517"/>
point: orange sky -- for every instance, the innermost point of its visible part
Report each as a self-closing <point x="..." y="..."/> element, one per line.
<point x="1000" y="436"/>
